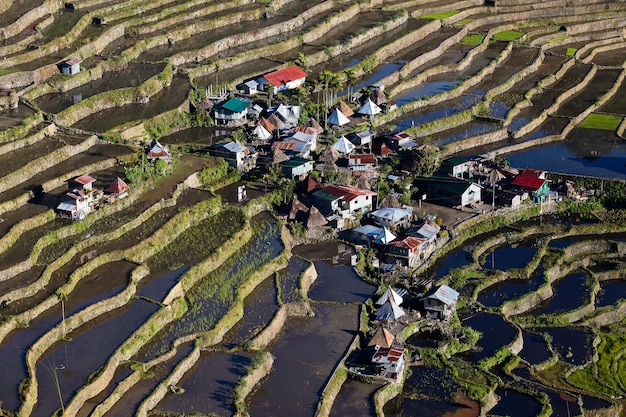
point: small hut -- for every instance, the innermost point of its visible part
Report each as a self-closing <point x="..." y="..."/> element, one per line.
<point x="278" y="156"/>
<point x="363" y="183"/>
<point x="390" y="201"/>
<point x="343" y="145"/>
<point x="117" y="190"/>
<point x="330" y="154"/>
<point x="378" y="97"/>
<point x="298" y="209"/>
<point x="314" y="124"/>
<point x="338" y="118"/>
<point x="316" y="219"/>
<point x="382" y="338"/>
<point x="345" y="109"/>
<point x="369" y="108"/>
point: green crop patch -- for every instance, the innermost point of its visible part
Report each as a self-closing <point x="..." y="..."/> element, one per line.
<point x="601" y="121"/>
<point x="508" y="35"/>
<point x="571" y="51"/>
<point x="473" y="40"/>
<point x="442" y="15"/>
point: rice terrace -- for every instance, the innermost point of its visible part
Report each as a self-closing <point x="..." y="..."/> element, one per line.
<point x="313" y="208"/>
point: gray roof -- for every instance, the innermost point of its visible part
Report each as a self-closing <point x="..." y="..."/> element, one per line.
<point x="444" y="294"/>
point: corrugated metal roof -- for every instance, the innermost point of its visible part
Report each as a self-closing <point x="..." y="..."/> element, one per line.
<point x="528" y="182"/>
<point x="84" y="179"/>
<point x="347" y="193"/>
<point x="235" y="105"/>
<point x="444" y="294"/>
<point x="285" y="75"/>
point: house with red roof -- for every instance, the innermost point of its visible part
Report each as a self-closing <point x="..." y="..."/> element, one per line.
<point x="286" y="78"/>
<point x="344" y="200"/>
<point x="361" y="161"/>
<point x="389" y="362"/>
<point x="534" y="182"/>
<point x="80" y="198"/>
<point x="408" y="251"/>
<point x="117" y="190"/>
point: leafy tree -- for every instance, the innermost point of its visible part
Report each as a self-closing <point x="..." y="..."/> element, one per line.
<point x="301" y="61"/>
<point x="160" y="168"/>
<point x="133" y="173"/>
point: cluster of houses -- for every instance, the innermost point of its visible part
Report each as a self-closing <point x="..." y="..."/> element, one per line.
<point x="384" y="355"/>
<point x="82" y="198"/>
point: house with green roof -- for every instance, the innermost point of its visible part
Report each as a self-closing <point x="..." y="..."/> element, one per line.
<point x="455" y="167"/>
<point x="296" y="167"/>
<point x="232" y="112"/>
<point x="450" y="191"/>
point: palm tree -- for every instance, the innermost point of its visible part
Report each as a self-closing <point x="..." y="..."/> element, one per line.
<point x="334" y="85"/>
<point x="323" y="80"/>
<point x="351" y="80"/>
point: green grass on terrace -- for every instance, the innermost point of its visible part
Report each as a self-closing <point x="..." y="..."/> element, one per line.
<point x="442" y="15"/>
<point x="464" y="22"/>
<point x="562" y="38"/>
<point x="601" y="121"/>
<point x="508" y="35"/>
<point x="571" y="51"/>
<point x="472" y="40"/>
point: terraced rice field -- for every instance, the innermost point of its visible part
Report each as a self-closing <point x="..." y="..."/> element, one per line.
<point x="115" y="314"/>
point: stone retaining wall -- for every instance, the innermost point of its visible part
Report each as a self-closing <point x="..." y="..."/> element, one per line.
<point x="566" y="95"/>
<point x="38" y="165"/>
<point x="253" y="378"/>
<point x="48" y="130"/>
<point x="114" y="98"/>
<point x="22" y="129"/>
<point x="28" y="18"/>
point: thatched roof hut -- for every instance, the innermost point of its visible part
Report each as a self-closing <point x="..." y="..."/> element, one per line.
<point x="278" y="156"/>
<point x="345" y="109"/>
<point x="316" y="219"/>
<point x="378" y="97"/>
<point x="330" y="154"/>
<point x="313" y="123"/>
<point x="390" y="201"/>
<point x="297" y="207"/>
<point x="363" y="183"/>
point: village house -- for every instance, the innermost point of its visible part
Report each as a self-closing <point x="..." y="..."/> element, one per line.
<point x="296" y="168"/>
<point x="368" y="235"/>
<point x="534" y="182"/>
<point x="409" y="251"/>
<point x="286" y="78"/>
<point x="455" y="167"/>
<point x="157" y="151"/>
<point x="427" y="230"/>
<point x="362" y="138"/>
<point x="392" y="217"/>
<point x="439" y="303"/>
<point x="361" y="161"/>
<point x="293" y="148"/>
<point x="400" y="141"/>
<point x="450" y="191"/>
<point x="237" y="155"/>
<point x="249" y="87"/>
<point x="80" y="198"/>
<point x="232" y="112"/>
<point x="344" y="200"/>
<point x="389" y="362"/>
